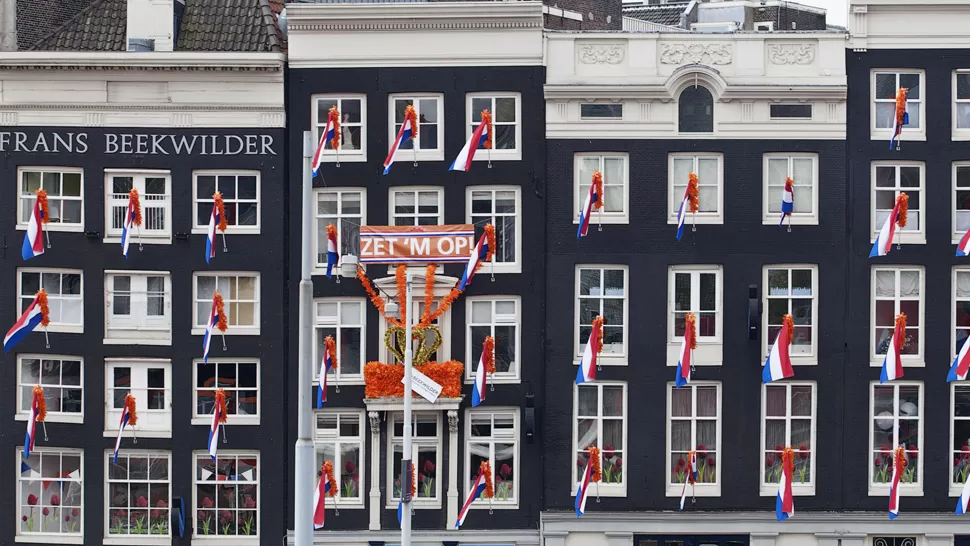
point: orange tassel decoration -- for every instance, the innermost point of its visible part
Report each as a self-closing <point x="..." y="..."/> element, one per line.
<point x="487" y="118"/>
<point x="400" y="276"/>
<point x="221" y="404"/>
<point x="45" y="310"/>
<point x="594" y="457"/>
<point x="789" y="325"/>
<point x="597" y="333"/>
<point x="788" y="459"/>
<point x="220" y="310"/>
<point x="490" y="238"/>
<point x="485" y="469"/>
<point x="334" y="115"/>
<point x="41" y="403"/>
<point x="690" y="327"/>
<point x="901" y="321"/>
<point x="45" y="213"/>
<point x="690" y="471"/>
<point x="410" y="114"/>
<point x="331" y="347"/>
<point x="446" y="302"/>
<point x="326" y="473"/>
<point x="598" y="189"/>
<point x="899" y="459"/>
<point x="429" y="274"/>
<point x="221" y="207"/>
<point x="135" y="206"/>
<point x="375" y="299"/>
<point x="901" y="96"/>
<point x="132" y="414"/>
<point x="692" y="193"/>
<point x="488" y="350"/>
<point x="903" y="201"/>
<point x="331" y="230"/>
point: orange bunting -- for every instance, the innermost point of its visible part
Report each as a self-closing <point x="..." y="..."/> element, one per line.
<point x="903" y="201"/>
<point x="446" y="301"/>
<point x="594" y="457"/>
<point x="331" y="347"/>
<point x="375" y="299"/>
<point x="326" y="473"/>
<point x="597" y="333"/>
<point x="334" y="115"/>
<point x="899" y="458"/>
<point x="221" y="404"/>
<point x="788" y="459"/>
<point x="901" y="96"/>
<point x="488" y="350"/>
<point x="598" y="189"/>
<point x="45" y="310"/>
<point x="41" y="403"/>
<point x="485" y="469"/>
<point x="45" y="213"/>
<point x="487" y="118"/>
<point x="220" y="310"/>
<point x="690" y="470"/>
<point x="384" y="380"/>
<point x="690" y="327"/>
<point x="789" y="325"/>
<point x="693" y="198"/>
<point x="401" y="277"/>
<point x="429" y="274"/>
<point x="490" y="238"/>
<point x="132" y="414"/>
<point x="135" y="207"/>
<point x="901" y="321"/>
<point x="410" y="114"/>
<point x="221" y="208"/>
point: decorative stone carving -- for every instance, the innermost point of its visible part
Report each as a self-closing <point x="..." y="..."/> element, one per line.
<point x="602" y="53"/>
<point x="375" y="422"/>
<point x="710" y="54"/>
<point x="452" y="421"/>
<point x="791" y="53"/>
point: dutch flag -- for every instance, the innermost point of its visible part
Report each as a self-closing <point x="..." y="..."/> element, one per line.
<point x="214" y="430"/>
<point x="34" y="238"/>
<point x="884" y="241"/>
<point x="963" y="247"/>
<point x="961" y="364"/>
<point x="209" y="328"/>
<point x="583" y="489"/>
<point x="692" y="468"/>
<point x="479" y="253"/>
<point x="587" y="366"/>
<point x="787" y="201"/>
<point x="477" y="488"/>
<point x="31" y="429"/>
<point x="682" y="213"/>
<point x="129" y="223"/>
<point x="892" y="366"/>
<point x="210" y="237"/>
<point x="464" y="160"/>
<point x="964" y="499"/>
<point x="778" y="364"/>
<point x="405" y="134"/>
<point x="592" y="199"/>
<point x="478" y="389"/>
<point x="331" y="252"/>
<point x="684" y="362"/>
<point x="320" y="502"/>
<point x="25" y="324"/>
<point x="121" y="428"/>
<point x="325" y="366"/>
<point x="894" y="490"/>
<point x="329" y="133"/>
<point x="785" y="503"/>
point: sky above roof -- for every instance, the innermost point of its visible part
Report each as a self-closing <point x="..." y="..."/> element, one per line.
<point x="837" y="9"/>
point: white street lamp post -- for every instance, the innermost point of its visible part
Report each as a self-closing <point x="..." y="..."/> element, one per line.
<point x="303" y="479"/>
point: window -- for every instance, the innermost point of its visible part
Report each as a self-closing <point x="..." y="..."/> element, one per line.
<point x="226" y="495"/>
<point x="497" y="317"/>
<point x="790" y="111"/>
<point x="139" y="493"/>
<point x="885" y="84"/>
<point x="44" y="510"/>
<point x="961" y="200"/>
<point x="344" y="320"/>
<point x="888" y="181"/>
<point x="959" y="435"/>
<point x="63" y="380"/>
<point x="803" y="170"/>
<point x="697" y="290"/>
<point x="506" y="122"/>
<point x="698" y="540"/>
<point x="602" y="290"/>
<point x="696" y="109"/>
<point x="239" y="291"/>
<point x="767" y="26"/>
<point x="64" y="296"/>
<point x="493" y="436"/>
<point x="896" y="420"/>
<point x="65" y="196"/>
<point x="789" y="420"/>
<point x="599" y="418"/>
<point x="710" y="195"/>
<point x="430" y="110"/>
<point x="339" y="438"/>
<point x="895" y="541"/>
<point x="961" y="106"/>
<point x="616" y="187"/>
<point x="346" y="209"/>
<point x="353" y="126"/>
<point x="417" y="207"/>
<point x="240" y="194"/>
<point x="139" y="308"/>
<point x="240" y="380"/>
<point x="154" y="192"/>
<point x="150" y="382"/>
<point x="791" y="290"/>
<point x="601" y="111"/>
<point x="694" y="424"/>
<point x="426" y="458"/>
<point x="961" y="307"/>
<point x="897" y="290"/>
<point x="499" y="206"/>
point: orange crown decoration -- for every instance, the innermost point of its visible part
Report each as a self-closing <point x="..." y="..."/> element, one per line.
<point x="486" y="470"/>
<point x="487" y="118"/>
<point x="326" y="473"/>
<point x="334" y="115"/>
<point x="490" y="238"/>
<point x="901" y="96"/>
<point x="597" y="333"/>
<point x="130" y="404"/>
<point x="410" y="114"/>
<point x="135" y="206"/>
<point x="221" y="404"/>
<point x="690" y="326"/>
<point x="45" y="213"/>
<point x="331" y="347"/>
<point x="594" y="457"/>
<point x="45" y="310"/>
<point x="41" y="403"/>
<point x="692" y="196"/>
<point x="788" y="459"/>
<point x="220" y="310"/>
<point x="690" y="470"/>
<point x="789" y="325"/>
<point x="903" y="201"/>
<point x="488" y="354"/>
<point x="598" y="189"/>
<point x="221" y="208"/>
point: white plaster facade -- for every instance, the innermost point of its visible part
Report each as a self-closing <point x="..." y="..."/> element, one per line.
<point x="908" y="24"/>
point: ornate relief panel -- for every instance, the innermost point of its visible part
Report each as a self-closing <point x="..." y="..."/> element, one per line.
<point x="709" y="54"/>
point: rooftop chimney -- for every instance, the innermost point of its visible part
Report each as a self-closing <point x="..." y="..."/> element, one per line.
<point x="153" y="24"/>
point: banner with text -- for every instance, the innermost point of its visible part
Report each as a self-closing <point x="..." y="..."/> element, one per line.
<point x="424" y="244"/>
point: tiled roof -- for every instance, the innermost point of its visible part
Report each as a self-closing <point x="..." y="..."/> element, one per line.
<point x="207" y="25"/>
<point x="662" y="15"/>
<point x="38" y="18"/>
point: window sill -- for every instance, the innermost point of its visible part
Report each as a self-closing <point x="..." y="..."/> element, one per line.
<point x="331" y="382"/>
<point x="56" y="228"/>
<point x="798" y="360"/>
<point x="357" y="156"/>
<point x="956" y="490"/>
<point x="415" y="505"/>
<point x="806" y="220"/>
<point x="606" y="219"/>
<point x="706" y="354"/>
<point x="492" y="380"/>
<point x="137" y="341"/>
<point x="958" y="134"/>
<point x="346" y="505"/>
<point x="479" y="505"/>
<point x="154" y="240"/>
<point x="796" y="490"/>
<point x="55" y="418"/>
<point x="407" y="157"/>
<point x="50" y="538"/>
<point x="603" y="360"/>
<point x="903" y="238"/>
<point x="703" y="490"/>
<point x="136" y="540"/>
<point x="696" y="219"/>
<point x="904" y="490"/>
<point x="497" y="155"/>
<point x="907" y="362"/>
<point x="128" y="433"/>
<point x="204" y="540"/>
<point x="230" y="420"/>
<point x="607" y="491"/>
<point x="231" y="331"/>
<point x="230" y="231"/>
<point x="887" y="134"/>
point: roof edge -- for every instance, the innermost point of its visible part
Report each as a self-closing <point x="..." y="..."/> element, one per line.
<point x="149" y="60"/>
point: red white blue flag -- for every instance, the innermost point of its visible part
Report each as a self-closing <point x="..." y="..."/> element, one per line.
<point x="34" y="238"/>
<point x="785" y="502"/>
<point x="582" y="490"/>
<point x="481" y="138"/>
<point x="892" y="366"/>
<point x="476" y="491"/>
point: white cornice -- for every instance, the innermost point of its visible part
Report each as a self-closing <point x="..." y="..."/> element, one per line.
<point x="661" y="92"/>
<point x="414" y="17"/>
<point x="155" y="60"/>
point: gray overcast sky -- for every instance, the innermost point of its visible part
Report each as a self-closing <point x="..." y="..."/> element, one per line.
<point x="836" y="9"/>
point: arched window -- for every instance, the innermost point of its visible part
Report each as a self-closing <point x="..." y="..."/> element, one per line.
<point x="696" y="110"/>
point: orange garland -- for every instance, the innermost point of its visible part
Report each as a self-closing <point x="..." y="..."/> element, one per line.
<point x="899" y="458"/>
<point x="446" y="301"/>
<point x="594" y="457"/>
<point x="488" y="352"/>
<point x="384" y="380"/>
<point x="135" y="207"/>
<point x="788" y="460"/>
<point x="130" y="404"/>
<point x="598" y="332"/>
<point x="487" y="118"/>
<point x="490" y="237"/>
<point x="221" y="404"/>
<point x="334" y="115"/>
<point x="326" y="473"/>
<point x="789" y="326"/>
<point x="410" y="114"/>
<point x="330" y="346"/>
<point x="45" y="214"/>
<point x="691" y="455"/>
<point x="692" y="193"/>
<point x="41" y="403"/>
<point x="903" y="201"/>
<point x="901" y="324"/>
<point x="486" y="469"/>
<point x="220" y="310"/>
<point x="901" y="96"/>
<point x="221" y="208"/>
<point x="598" y="189"/>
<point x="375" y="299"/>
<point x="45" y="310"/>
<point x="429" y="274"/>
<point x="691" y="329"/>
<point x="400" y="275"/>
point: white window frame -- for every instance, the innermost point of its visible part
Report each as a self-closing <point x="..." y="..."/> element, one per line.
<point x="417" y="503"/>
<point x="53" y="326"/>
<point x="393" y="190"/>
<point x="908" y="133"/>
<point x="699" y="489"/>
<point x="603" y="489"/>
<point x="955" y="488"/>
<point x="579" y="196"/>
<point x="798" y="488"/>
<point x="905" y="489"/>
<point x="909" y="236"/>
<point x="796" y="360"/>
<point x="231" y="229"/>
<point x="469" y="472"/>
<point x="764" y="26"/>
<point x="958" y="133"/>
<point x="498" y="377"/>
<point x="496" y="155"/>
<point x="148" y="538"/>
<point x="53" y="226"/>
<point x="796" y="218"/>
<point x="198" y="330"/>
<point x="709" y="350"/>
<point x="213" y="538"/>
<point x="52" y="416"/>
<point x="342" y="155"/>
<point x="673" y="200"/>
<point x="495" y="266"/>
<point x="436" y="154"/>
<point x="362" y="464"/>
<point x="604" y="358"/>
<point x="914" y="361"/>
<point x="162" y="426"/>
<point x="337" y="377"/>
<point x="232" y="419"/>
<point x="142" y="236"/>
<point x="49" y="538"/>
<point x="957" y="270"/>
<point x="320" y="268"/>
<point x="144" y="333"/>
<point x="956" y="234"/>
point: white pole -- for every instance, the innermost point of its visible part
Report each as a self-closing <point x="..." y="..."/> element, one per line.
<point x="406" y="462"/>
<point x="305" y="476"/>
